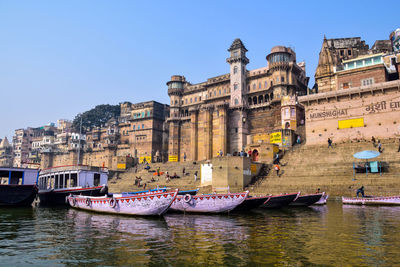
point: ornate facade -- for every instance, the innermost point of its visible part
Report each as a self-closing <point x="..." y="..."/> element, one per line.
<point x="225" y="112"/>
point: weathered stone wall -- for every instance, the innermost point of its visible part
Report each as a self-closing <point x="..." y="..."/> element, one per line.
<point x="378" y="106"/>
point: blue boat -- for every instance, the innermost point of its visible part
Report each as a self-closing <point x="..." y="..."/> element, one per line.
<point x="18" y="186"/>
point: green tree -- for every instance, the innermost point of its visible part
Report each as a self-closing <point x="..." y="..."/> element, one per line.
<point x="96" y="117"/>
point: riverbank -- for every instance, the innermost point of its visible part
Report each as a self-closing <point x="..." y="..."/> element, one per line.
<point x="305" y="169"/>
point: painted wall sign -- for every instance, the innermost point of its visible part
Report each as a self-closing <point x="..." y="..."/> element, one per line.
<point x="275" y="138"/>
<point x="173" y="158"/>
<point x="329" y="114"/>
<point x="145" y="159"/>
<point x="353" y="123"/>
<point x="372" y="108"/>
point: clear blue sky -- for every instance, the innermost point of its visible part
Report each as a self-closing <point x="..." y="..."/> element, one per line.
<point x="59" y="58"/>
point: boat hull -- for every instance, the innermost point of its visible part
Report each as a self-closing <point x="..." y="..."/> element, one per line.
<point x="251" y="203"/>
<point x="17" y="195"/>
<point x="306" y="200"/>
<point x="215" y="203"/>
<point x="280" y="201"/>
<point x="391" y="201"/>
<point x="143" y="205"/>
<point x="58" y="197"/>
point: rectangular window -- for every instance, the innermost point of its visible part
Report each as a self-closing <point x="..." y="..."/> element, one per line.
<point x="345" y="85"/>
<point x="349" y="52"/>
<point x="96" y="179"/>
<point x="366" y="82"/>
<point x="341" y="53"/>
<point x="282" y="79"/>
<point x="74" y="180"/>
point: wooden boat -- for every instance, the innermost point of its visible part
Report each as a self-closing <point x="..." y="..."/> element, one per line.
<point x="18" y="186"/>
<point x="146" y="205"/>
<point x="251" y="203"/>
<point x="280" y="200"/>
<point x="213" y="203"/>
<point x="322" y="200"/>
<point x="306" y="200"/>
<point x="56" y="183"/>
<point x="371" y="200"/>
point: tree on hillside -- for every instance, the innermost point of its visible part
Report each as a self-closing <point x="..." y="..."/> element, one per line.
<point x="96" y="117"/>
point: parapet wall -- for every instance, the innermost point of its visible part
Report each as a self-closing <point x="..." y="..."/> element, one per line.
<point x="353" y="114"/>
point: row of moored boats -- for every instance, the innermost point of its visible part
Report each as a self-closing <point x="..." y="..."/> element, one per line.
<point x="84" y="187"/>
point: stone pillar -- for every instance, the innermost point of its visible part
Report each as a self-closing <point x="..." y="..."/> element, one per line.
<point x="223" y="128"/>
<point x="174" y="138"/>
<point x="208" y="132"/>
<point x="194" y="119"/>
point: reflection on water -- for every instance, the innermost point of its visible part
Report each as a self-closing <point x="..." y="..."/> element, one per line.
<point x="332" y="235"/>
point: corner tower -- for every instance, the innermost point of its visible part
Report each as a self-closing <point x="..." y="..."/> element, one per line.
<point x="238" y="62"/>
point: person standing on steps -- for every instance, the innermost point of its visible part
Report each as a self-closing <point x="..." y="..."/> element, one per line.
<point x="277" y="169"/>
<point x="330" y="143"/>
<point x="360" y="191"/>
<point x="380" y="146"/>
<point x="195" y="176"/>
<point x="398" y="150"/>
<point x="184" y="156"/>
<point x="183" y="171"/>
<point x="373" y="140"/>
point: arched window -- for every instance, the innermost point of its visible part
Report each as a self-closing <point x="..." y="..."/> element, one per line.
<point x="271" y="83"/>
<point x="191" y="100"/>
<point x="249" y="100"/>
<point x="236" y="101"/>
<point x="235" y="86"/>
<point x="265" y="84"/>
<point x="235" y="69"/>
<point x="271" y="96"/>
<point x="254" y="86"/>
<point x="219" y="91"/>
<point x="266" y="98"/>
<point x="259" y="85"/>
<point x="186" y="100"/>
<point x="142" y="126"/>
<point x="225" y="91"/>
<point x="176" y="102"/>
<point x="215" y="93"/>
<point x="248" y="87"/>
<point x="255" y="100"/>
<point x="260" y="99"/>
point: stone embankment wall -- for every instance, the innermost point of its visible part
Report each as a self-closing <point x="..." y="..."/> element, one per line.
<point x="308" y="168"/>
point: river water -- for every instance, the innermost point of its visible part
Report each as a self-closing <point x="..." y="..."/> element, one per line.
<point x="331" y="235"/>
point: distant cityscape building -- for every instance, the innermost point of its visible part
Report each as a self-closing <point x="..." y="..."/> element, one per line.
<point x="5" y="153"/>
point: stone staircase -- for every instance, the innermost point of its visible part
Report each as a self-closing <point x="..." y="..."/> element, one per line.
<point x="125" y="182"/>
<point x="307" y="168"/>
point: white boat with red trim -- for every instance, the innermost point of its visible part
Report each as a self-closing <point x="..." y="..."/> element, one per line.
<point x="213" y="203"/>
<point x="147" y="204"/>
<point x="56" y="183"/>
<point x="371" y="200"/>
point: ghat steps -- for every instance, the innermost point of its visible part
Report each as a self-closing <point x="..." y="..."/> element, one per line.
<point x="307" y="168"/>
<point x="125" y="182"/>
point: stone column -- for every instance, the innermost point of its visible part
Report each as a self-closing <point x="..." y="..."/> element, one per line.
<point x="194" y="119"/>
<point x="174" y="138"/>
<point x="223" y="128"/>
<point x="208" y="132"/>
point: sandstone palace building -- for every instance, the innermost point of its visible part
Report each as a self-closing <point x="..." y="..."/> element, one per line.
<point x="228" y="112"/>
